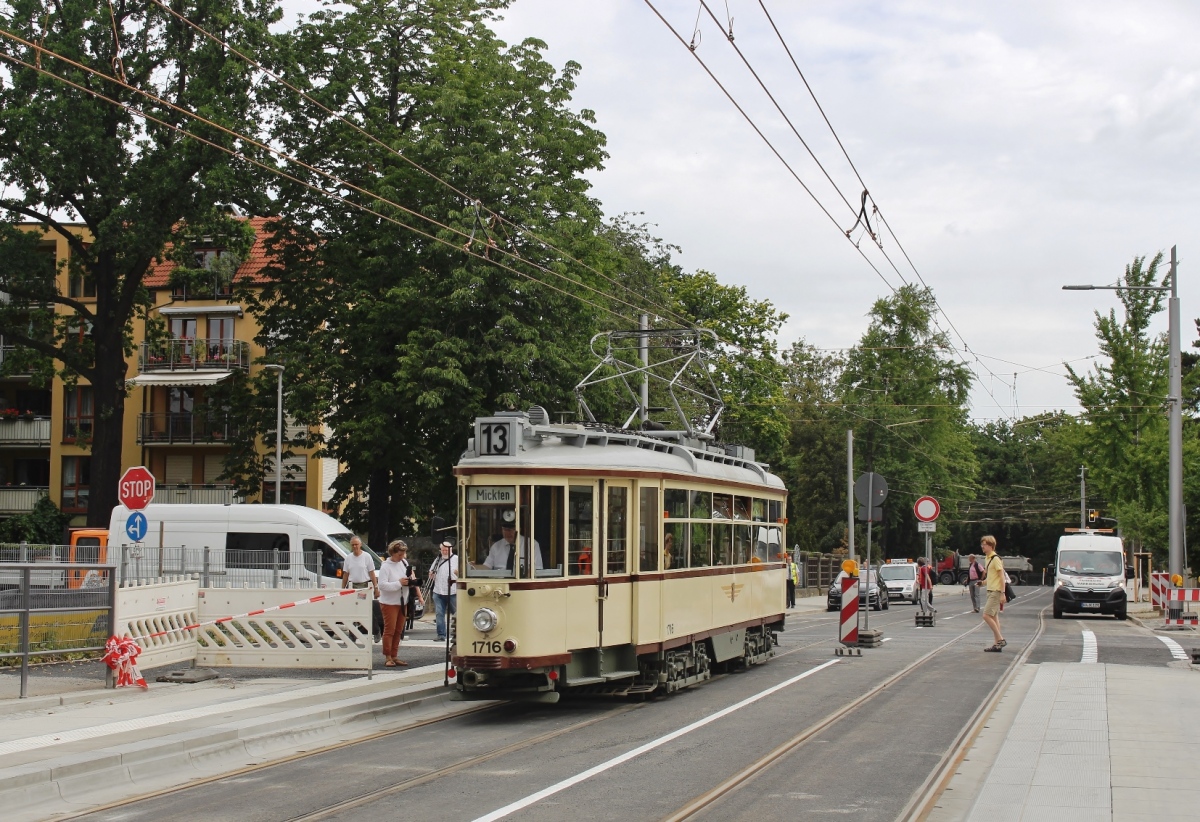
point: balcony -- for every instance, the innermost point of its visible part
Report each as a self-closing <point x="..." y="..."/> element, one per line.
<point x="29" y="432"/>
<point x="20" y="499"/>
<point x="194" y="355"/>
<point x="196" y="495"/>
<point x="184" y="428"/>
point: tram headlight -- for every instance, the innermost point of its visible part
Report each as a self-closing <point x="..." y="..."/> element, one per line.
<point x="485" y="620"/>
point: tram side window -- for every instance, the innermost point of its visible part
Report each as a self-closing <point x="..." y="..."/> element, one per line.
<point x="675" y="503"/>
<point x="615" y="533"/>
<point x="579" y="530"/>
<point x="722" y="544"/>
<point x="675" y="545"/>
<point x="722" y="506"/>
<point x="548" y="528"/>
<point x="774" y="510"/>
<point x="701" y="544"/>
<point x="766" y="544"/>
<point x="741" y="544"/>
<point x="701" y="505"/>
<point x="759" y="510"/>
<point x="741" y="508"/>
<point x="648" y="520"/>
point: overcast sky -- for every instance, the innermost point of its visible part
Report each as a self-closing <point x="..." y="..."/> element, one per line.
<point x="1014" y="147"/>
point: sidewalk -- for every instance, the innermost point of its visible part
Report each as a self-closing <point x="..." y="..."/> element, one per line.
<point x="63" y="754"/>
<point x="1076" y="741"/>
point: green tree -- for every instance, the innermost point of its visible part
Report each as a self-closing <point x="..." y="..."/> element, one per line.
<point x="397" y="341"/>
<point x="907" y="397"/>
<point x="1123" y="401"/>
<point x="67" y="155"/>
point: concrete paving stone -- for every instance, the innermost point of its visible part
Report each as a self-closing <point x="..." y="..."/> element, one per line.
<point x="1019" y="753"/>
<point x="1028" y="733"/>
<point x="1068" y="795"/>
<point x="1053" y="814"/>
<point x="996" y="811"/>
<point x="1151" y="781"/>
<point x="1010" y="776"/>
<point x="1085" y="771"/>
<point x="1076" y="735"/>
<point x="1159" y="751"/>
<point x="1073" y="747"/>
<point x="1153" y="801"/>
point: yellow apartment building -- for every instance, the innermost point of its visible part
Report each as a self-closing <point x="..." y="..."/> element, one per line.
<point x="169" y="427"/>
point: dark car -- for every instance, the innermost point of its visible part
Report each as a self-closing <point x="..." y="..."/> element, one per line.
<point x="870" y="597"/>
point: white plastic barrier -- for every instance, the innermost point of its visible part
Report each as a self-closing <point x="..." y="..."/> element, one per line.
<point x="326" y="634"/>
<point x="159" y="608"/>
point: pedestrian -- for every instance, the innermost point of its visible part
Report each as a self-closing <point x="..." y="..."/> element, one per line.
<point x="974" y="578"/>
<point x="793" y="579"/>
<point x="394" y="586"/>
<point x="358" y="571"/>
<point x="445" y="577"/>
<point x="994" y="583"/>
<point x="924" y="586"/>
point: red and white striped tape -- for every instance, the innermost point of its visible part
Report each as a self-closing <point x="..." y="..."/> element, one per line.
<point x="1160" y="582"/>
<point x="319" y="598"/>
<point x="848" y="634"/>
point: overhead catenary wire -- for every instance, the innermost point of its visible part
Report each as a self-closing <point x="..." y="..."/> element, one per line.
<point x="271" y="169"/>
<point x="332" y="177"/>
<point x="663" y="311"/>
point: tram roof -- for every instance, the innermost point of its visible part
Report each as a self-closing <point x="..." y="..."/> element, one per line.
<point x="597" y="448"/>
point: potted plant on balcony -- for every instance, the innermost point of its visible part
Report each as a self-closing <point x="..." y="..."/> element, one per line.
<point x="27" y="414"/>
<point x="9" y="413"/>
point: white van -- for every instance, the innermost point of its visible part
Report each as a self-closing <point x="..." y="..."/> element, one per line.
<point x="1089" y="575"/>
<point x="248" y="545"/>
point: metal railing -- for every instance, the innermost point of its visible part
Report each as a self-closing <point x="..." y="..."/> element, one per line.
<point x="197" y="494"/>
<point x="222" y="568"/>
<point x="28" y="431"/>
<point x="190" y="427"/>
<point x="195" y="355"/>
<point x="40" y="620"/>
<point x="20" y="499"/>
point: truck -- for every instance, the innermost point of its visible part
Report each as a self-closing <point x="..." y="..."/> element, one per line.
<point x="954" y="567"/>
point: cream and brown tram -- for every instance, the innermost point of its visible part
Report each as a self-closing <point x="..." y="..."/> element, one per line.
<point x="611" y="560"/>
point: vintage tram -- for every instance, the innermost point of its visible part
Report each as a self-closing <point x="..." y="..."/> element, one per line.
<point x="611" y="560"/>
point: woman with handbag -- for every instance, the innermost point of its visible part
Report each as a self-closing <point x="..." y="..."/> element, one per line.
<point x="994" y="583"/>
<point x="395" y="580"/>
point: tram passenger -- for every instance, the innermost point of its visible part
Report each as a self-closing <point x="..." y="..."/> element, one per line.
<point x="500" y="556"/>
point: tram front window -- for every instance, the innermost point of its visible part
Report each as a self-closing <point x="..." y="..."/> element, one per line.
<point x="498" y="525"/>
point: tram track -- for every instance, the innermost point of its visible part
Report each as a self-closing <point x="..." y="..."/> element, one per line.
<point x="927" y="793"/>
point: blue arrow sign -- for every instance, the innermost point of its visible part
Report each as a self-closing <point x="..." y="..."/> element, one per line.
<point x="136" y="526"/>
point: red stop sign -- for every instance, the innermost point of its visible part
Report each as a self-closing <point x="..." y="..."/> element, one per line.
<point x="136" y="488"/>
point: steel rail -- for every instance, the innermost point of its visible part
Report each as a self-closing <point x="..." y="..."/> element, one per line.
<point x="747" y="774"/>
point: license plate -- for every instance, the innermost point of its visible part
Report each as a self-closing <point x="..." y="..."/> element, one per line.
<point x="1089" y="604"/>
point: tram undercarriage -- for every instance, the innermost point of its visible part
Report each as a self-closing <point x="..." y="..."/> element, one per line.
<point x="619" y="671"/>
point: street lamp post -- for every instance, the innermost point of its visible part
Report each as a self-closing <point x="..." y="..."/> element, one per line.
<point x="278" y="433"/>
<point x="1175" y="402"/>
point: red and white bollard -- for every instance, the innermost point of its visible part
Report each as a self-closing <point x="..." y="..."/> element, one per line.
<point x="1160" y="582"/>
<point x="848" y="625"/>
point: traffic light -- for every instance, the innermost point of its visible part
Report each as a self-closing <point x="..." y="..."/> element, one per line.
<point x="1093" y="515"/>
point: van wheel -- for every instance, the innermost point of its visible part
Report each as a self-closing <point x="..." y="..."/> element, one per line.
<point x="1122" y="614"/>
<point x="1058" y="613"/>
<point x="887" y="604"/>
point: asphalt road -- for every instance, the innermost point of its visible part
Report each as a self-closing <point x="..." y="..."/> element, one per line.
<point x="870" y="762"/>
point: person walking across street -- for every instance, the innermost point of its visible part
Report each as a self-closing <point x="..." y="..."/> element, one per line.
<point x="993" y="569"/>
<point x="793" y="579"/>
<point x="445" y="576"/>
<point x="394" y="584"/>
<point x="974" y="577"/>
<point x="358" y="571"/>
<point x="924" y="586"/>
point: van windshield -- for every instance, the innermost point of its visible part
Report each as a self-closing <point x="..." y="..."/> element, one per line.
<point x="898" y="571"/>
<point x="1090" y="563"/>
<point x="343" y="540"/>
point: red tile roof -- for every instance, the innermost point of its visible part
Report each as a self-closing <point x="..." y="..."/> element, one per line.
<point x="251" y="269"/>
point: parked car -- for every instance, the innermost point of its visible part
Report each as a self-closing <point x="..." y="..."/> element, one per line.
<point x="870" y="597"/>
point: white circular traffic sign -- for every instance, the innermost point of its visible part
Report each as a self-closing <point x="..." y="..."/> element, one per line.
<point x="927" y="509"/>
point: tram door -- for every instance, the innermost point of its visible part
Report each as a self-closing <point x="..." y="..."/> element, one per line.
<point x="616" y="590"/>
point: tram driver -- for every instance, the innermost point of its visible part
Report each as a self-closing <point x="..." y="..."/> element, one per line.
<point x="500" y="556"/>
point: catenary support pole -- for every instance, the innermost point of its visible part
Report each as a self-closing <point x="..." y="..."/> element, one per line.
<point x="644" y="353"/>
<point x="850" y="493"/>
<point x="1175" y="512"/>
<point x="1083" y="497"/>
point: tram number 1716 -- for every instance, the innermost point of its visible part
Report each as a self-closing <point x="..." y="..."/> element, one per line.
<point x="495" y="439"/>
<point x="487" y="647"/>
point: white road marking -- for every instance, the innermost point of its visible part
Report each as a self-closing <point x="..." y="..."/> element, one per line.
<point x="889" y="639"/>
<point x="1176" y="649"/>
<point x="638" y="751"/>
<point x="949" y="617"/>
<point x="1090" y="651"/>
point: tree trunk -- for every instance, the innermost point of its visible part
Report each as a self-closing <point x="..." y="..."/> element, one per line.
<point x="379" y="503"/>
<point x="108" y="395"/>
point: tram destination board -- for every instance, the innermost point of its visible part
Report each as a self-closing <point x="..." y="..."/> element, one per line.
<point x="496" y="437"/>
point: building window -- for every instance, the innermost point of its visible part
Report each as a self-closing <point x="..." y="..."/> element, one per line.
<point x="77" y="477"/>
<point x="82" y="286"/>
<point x="294" y="492"/>
<point x="79" y="413"/>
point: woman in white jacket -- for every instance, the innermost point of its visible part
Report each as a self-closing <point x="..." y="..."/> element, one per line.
<point x="395" y="578"/>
